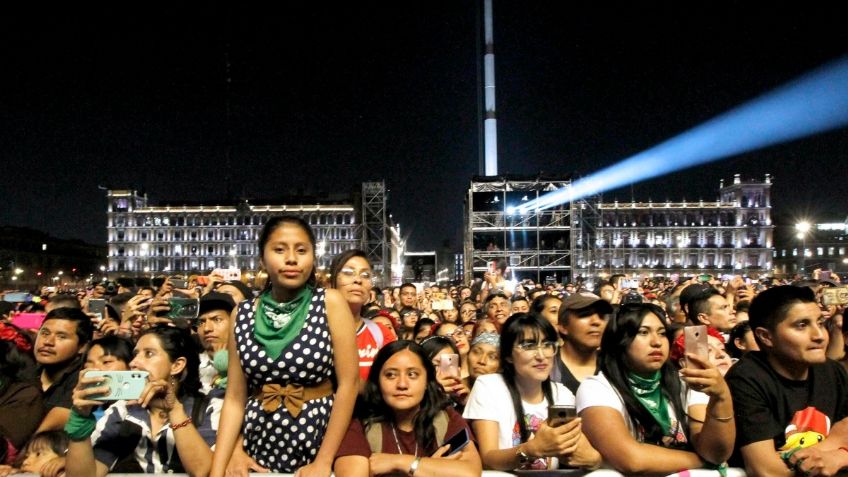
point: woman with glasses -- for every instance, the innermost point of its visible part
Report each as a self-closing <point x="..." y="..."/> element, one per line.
<point x="351" y="274"/>
<point x="636" y="411"/>
<point x="509" y="409"/>
<point x="467" y="311"/>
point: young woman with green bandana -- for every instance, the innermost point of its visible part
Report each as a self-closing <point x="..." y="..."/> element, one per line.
<point x="644" y="417"/>
<point x="289" y="347"/>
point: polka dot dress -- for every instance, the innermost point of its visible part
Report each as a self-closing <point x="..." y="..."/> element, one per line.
<point x="277" y="440"/>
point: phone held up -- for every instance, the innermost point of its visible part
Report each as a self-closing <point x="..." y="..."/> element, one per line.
<point x="449" y="365"/>
<point x="695" y="339"/>
<point x="123" y="385"/>
<point x="561" y="414"/>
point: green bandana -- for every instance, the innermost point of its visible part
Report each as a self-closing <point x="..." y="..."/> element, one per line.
<point x="648" y="392"/>
<point x="277" y="324"/>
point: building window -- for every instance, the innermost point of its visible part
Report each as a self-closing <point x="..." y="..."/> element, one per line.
<point x="819" y="251"/>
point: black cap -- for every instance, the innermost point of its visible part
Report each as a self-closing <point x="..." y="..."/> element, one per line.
<point x="693" y="292"/>
<point x="216" y="301"/>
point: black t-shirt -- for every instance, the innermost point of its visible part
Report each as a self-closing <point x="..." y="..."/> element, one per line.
<point x="61" y="392"/>
<point x="561" y="374"/>
<point x="765" y="402"/>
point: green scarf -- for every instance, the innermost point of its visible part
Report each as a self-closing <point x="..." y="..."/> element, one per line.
<point x="649" y="393"/>
<point x="277" y="324"/>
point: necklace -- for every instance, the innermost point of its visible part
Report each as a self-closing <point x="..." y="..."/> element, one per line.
<point x="397" y="442"/>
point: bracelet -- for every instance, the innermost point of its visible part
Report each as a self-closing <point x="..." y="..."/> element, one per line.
<point x="182" y="424"/>
<point x="721" y="419"/>
<point x="414" y="466"/>
<point x="79" y="427"/>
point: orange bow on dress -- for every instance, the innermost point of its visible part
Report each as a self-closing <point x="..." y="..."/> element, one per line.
<point x="292" y="395"/>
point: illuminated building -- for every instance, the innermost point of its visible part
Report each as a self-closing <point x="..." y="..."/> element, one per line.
<point x="590" y="238"/>
<point x="143" y="238"/>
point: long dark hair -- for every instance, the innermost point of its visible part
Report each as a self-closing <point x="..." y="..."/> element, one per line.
<point x="375" y="409"/>
<point x="114" y="345"/>
<point x="276" y="222"/>
<point x="178" y="343"/>
<point x="511" y="334"/>
<point x="618" y="336"/>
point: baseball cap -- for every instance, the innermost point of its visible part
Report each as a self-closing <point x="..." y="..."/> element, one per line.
<point x="216" y="301"/>
<point x="584" y="299"/>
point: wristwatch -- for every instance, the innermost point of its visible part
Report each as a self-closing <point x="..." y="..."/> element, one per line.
<point x="523" y="458"/>
<point x="414" y="466"/>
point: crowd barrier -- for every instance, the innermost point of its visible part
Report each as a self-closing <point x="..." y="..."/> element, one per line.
<point x="732" y="472"/>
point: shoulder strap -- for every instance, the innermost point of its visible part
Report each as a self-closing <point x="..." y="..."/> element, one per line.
<point x="375" y="330"/>
<point x="374" y="435"/>
<point x="440" y="423"/>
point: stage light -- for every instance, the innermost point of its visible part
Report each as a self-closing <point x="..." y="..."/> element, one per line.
<point x="812" y="104"/>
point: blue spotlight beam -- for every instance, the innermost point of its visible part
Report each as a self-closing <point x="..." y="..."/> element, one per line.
<point x="812" y="104"/>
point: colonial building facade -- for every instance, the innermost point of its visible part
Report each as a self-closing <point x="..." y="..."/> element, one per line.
<point x="592" y="238"/>
<point x="175" y="238"/>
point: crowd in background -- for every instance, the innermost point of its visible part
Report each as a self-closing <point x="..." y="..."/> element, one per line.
<point x="301" y="373"/>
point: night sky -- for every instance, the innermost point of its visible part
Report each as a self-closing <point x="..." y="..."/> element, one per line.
<point x="323" y="97"/>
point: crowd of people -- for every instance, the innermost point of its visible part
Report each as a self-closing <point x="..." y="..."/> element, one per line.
<point x="307" y="374"/>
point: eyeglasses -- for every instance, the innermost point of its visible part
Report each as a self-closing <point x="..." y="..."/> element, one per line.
<point x="547" y="348"/>
<point x="350" y="273"/>
<point x="459" y="332"/>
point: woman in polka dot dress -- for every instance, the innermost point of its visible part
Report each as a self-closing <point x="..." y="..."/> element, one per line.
<point x="287" y="348"/>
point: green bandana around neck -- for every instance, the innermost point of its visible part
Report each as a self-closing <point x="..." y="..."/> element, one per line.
<point x="649" y="393"/>
<point x="277" y="324"/>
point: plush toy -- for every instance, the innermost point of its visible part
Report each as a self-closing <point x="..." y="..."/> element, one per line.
<point x="220" y="362"/>
<point x="807" y="428"/>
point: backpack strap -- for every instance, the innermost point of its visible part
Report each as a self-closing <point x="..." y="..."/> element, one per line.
<point x="374" y="435"/>
<point x="375" y="330"/>
<point x="440" y="423"/>
<point x="198" y="409"/>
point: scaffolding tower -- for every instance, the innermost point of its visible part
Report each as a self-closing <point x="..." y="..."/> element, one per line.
<point x="375" y="230"/>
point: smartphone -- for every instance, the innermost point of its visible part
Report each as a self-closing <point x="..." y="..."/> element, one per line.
<point x="202" y="280"/>
<point x="97" y="306"/>
<point x="183" y="308"/>
<point x="17" y="297"/>
<point x="824" y="275"/>
<point x="457" y="441"/>
<point x="122" y="384"/>
<point x="704" y="278"/>
<point x="630" y="284"/>
<point x="449" y="365"/>
<point x="179" y="283"/>
<point x="695" y="339"/>
<point x="561" y="414"/>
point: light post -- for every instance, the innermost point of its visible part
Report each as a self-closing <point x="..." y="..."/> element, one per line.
<point x="802" y="228"/>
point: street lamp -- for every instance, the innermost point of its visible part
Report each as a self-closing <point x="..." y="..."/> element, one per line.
<point x="802" y="228"/>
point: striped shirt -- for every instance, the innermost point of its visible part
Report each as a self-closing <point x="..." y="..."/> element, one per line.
<point x="124" y="431"/>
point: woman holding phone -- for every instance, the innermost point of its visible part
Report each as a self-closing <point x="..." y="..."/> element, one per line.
<point x="292" y="377"/>
<point x="509" y="410"/>
<point x="636" y="411"/>
<point x="169" y="428"/>
<point x="406" y="424"/>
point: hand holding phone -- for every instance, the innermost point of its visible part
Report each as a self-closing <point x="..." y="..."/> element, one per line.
<point x="449" y="365"/>
<point x="457" y="441"/>
<point x="123" y="385"/>
<point x="559" y="415"/>
<point x="695" y="339"/>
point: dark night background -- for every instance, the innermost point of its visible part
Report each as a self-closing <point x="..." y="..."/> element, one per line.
<point x="325" y="96"/>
